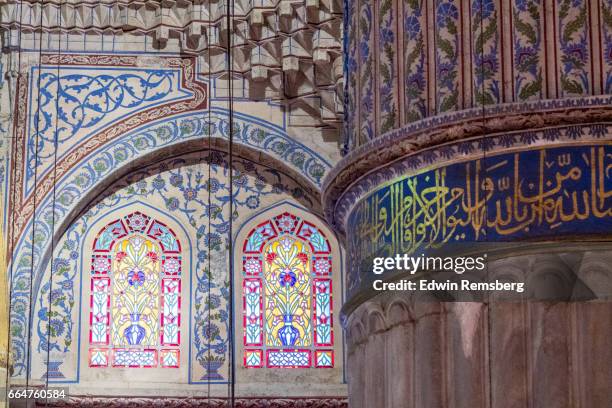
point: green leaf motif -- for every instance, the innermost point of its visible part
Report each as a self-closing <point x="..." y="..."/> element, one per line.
<point x="531" y="89"/>
<point x="389" y="52"/>
<point x="389" y="122"/>
<point x="384" y="72"/>
<point x="489" y="32"/>
<point x="384" y="8"/>
<point x="414" y="4"/>
<point x="574" y="26"/>
<point x="446" y="47"/>
<point x="450" y="102"/>
<point x="607" y="16"/>
<point x="451" y="27"/>
<point x="483" y="98"/>
<point x="534" y="12"/>
<point x="564" y="9"/>
<point x="571" y="85"/>
<point x="525" y="29"/>
<point x="527" y="62"/>
<point x="413" y="116"/>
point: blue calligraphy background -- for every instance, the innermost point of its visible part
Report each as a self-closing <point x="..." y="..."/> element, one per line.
<point x="547" y="193"/>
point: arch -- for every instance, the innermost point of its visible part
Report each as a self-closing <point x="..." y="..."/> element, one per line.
<point x="398" y="312"/>
<point x="79" y="187"/>
<point x="158" y="373"/>
<point x="287" y="295"/>
<point x="166" y="185"/>
<point x="71" y="345"/>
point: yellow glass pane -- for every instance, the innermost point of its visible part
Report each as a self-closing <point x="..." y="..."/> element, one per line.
<point x="287" y="301"/>
<point x="136" y="271"/>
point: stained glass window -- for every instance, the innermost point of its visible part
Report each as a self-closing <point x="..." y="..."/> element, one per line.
<point x="135" y="295"/>
<point x="287" y="295"/>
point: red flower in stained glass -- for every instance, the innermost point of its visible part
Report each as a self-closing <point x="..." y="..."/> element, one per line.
<point x="270" y="257"/>
<point x="136" y="277"/>
<point x="120" y="256"/>
<point x="323" y="319"/>
<point x="153" y="256"/>
<point x="303" y="258"/>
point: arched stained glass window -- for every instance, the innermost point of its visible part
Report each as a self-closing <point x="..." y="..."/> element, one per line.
<point x="135" y="295"/>
<point x="287" y="295"/>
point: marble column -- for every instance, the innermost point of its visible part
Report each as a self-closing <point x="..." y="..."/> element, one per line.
<point x="407" y="351"/>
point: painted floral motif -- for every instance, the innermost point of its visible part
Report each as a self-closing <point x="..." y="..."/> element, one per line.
<point x="485" y="52"/>
<point x="447" y="51"/>
<point x="366" y="72"/>
<point x="351" y="75"/>
<point x="386" y="66"/>
<point x="87" y="97"/>
<point x="606" y="10"/>
<point x="574" y="47"/>
<point x="415" y="56"/>
<point x="526" y="21"/>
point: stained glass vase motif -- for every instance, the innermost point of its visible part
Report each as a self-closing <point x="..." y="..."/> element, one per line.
<point x="134" y="334"/>
<point x="287" y="295"/>
<point x="136" y="295"/>
<point x="288" y="335"/>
